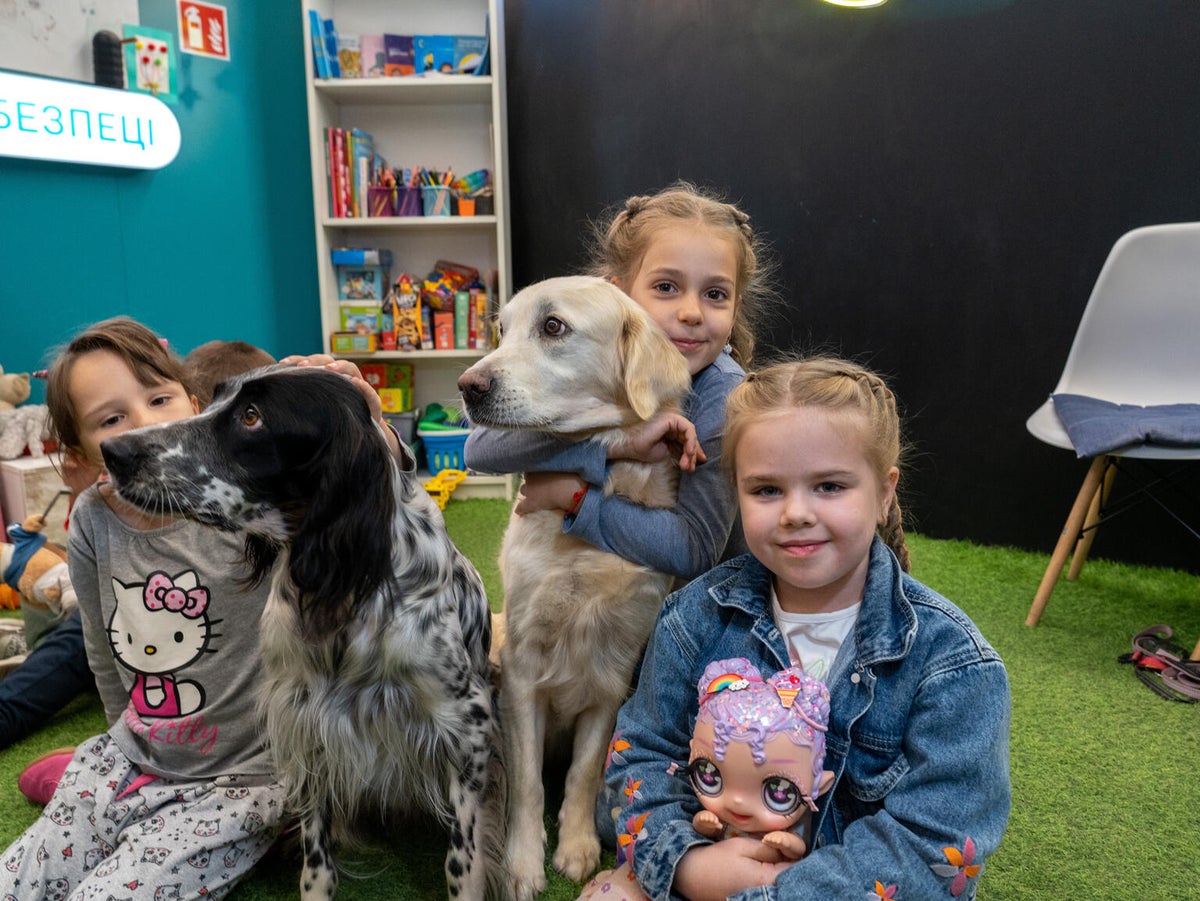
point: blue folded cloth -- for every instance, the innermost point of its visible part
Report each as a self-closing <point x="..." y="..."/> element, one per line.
<point x="1098" y="426"/>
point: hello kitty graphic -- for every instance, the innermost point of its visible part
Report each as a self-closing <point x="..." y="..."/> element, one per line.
<point x="158" y="628"/>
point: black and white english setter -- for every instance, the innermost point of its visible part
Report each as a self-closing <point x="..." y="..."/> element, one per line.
<point x="378" y="693"/>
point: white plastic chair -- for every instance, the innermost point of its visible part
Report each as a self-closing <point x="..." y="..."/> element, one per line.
<point x="1137" y="343"/>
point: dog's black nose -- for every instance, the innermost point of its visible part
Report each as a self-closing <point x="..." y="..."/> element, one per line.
<point x="122" y="456"/>
<point x="474" y="386"/>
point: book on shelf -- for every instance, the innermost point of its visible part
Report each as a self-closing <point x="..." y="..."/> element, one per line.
<point x="343" y="174"/>
<point x="398" y="54"/>
<point x="360" y="171"/>
<point x="316" y="31"/>
<point x="373" y="57"/>
<point x="433" y="53"/>
<point x="327" y="141"/>
<point x="485" y="64"/>
<point x="469" y="53"/>
<point x="331" y="48"/>
<point x="349" y="49"/>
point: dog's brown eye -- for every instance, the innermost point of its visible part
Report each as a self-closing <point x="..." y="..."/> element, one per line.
<point x="554" y="327"/>
<point x="250" y="417"/>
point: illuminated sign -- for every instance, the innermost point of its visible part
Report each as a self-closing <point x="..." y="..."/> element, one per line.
<point x="73" y="122"/>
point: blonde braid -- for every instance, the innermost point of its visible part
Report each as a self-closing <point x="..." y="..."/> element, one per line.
<point x="892" y="534"/>
<point x="891" y="530"/>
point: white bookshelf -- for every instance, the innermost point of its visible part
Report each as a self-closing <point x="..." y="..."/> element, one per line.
<point x="439" y="122"/>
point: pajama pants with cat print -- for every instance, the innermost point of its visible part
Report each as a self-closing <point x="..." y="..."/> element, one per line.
<point x="111" y="833"/>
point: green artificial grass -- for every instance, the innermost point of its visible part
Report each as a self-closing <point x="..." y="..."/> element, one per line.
<point x="1105" y="781"/>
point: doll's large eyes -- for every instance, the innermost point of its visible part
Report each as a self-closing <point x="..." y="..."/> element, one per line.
<point x="781" y="795"/>
<point x="706" y="777"/>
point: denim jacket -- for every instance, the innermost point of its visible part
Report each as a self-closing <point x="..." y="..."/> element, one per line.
<point x="917" y="741"/>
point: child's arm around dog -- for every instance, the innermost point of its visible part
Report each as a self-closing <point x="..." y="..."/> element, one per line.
<point x="684" y="541"/>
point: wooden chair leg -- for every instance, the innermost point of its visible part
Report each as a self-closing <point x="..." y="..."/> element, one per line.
<point x="1088" y="534"/>
<point x="1196" y="653"/>
<point x="1068" y="538"/>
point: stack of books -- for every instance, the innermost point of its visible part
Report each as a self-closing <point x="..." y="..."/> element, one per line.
<point x="351" y="167"/>
<point x="338" y="55"/>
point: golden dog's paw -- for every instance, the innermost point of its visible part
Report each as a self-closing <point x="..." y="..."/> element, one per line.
<point x="527" y="872"/>
<point x="528" y="888"/>
<point x="577" y="858"/>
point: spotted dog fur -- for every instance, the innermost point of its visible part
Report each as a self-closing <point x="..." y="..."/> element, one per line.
<point x="378" y="695"/>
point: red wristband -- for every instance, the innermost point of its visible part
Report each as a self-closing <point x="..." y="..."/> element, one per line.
<point x="576" y="500"/>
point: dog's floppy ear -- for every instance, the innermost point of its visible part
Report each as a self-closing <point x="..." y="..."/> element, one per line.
<point x="341" y="551"/>
<point x="654" y="371"/>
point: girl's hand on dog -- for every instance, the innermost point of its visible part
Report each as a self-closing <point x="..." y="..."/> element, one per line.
<point x="351" y="371"/>
<point x="548" y="491"/>
<point x="666" y="435"/>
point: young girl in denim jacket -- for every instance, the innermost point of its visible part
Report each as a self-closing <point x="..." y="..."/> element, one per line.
<point x="918" y="732"/>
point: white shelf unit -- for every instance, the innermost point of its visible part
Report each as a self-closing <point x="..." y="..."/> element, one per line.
<point x="437" y="122"/>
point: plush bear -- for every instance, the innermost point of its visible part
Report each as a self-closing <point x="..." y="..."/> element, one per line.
<point x="24" y="427"/>
<point x="14" y="389"/>
<point x="38" y="571"/>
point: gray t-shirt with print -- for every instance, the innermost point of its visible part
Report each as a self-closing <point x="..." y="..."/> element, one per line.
<point x="172" y="637"/>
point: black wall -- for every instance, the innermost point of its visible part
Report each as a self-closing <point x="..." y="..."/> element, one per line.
<point x="941" y="181"/>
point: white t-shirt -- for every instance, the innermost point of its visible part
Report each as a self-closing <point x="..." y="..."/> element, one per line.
<point x="813" y="639"/>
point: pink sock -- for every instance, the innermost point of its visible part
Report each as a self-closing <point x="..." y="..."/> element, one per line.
<point x="41" y="777"/>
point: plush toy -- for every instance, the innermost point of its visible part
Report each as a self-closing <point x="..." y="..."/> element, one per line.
<point x="24" y="427"/>
<point x="14" y="389"/>
<point x="37" y="570"/>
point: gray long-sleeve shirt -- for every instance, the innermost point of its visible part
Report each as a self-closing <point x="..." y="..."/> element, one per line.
<point x="172" y="638"/>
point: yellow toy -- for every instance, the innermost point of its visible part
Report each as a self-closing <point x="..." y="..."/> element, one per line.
<point x="442" y="485"/>
<point x="37" y="571"/>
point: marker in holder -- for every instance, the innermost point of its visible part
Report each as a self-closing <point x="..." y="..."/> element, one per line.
<point x="408" y="201"/>
<point x="436" y="199"/>
<point x="381" y="201"/>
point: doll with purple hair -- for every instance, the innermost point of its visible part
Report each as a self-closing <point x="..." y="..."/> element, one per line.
<point x="758" y="752"/>
<point x="756" y="763"/>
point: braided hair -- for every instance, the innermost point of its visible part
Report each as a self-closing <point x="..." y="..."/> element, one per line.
<point x="620" y="242"/>
<point x="837" y="385"/>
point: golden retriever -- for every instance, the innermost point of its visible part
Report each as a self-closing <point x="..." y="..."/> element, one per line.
<point x="581" y="360"/>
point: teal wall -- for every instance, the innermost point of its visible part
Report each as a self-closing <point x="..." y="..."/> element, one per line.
<point x="218" y="244"/>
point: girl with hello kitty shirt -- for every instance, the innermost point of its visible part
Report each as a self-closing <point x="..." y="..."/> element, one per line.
<point x="178" y="799"/>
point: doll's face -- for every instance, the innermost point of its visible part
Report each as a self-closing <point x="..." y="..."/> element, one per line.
<point x="750" y="797"/>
